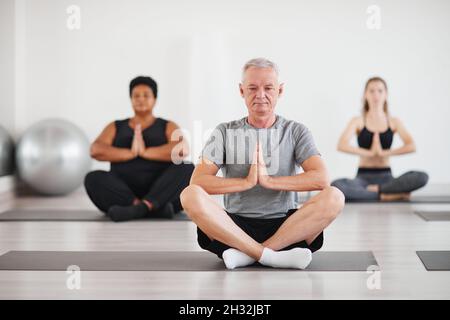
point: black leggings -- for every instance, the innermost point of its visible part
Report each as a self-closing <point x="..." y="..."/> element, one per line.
<point x="106" y="188"/>
<point x="356" y="189"/>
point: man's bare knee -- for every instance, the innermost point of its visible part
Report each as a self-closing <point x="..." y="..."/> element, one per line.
<point x="191" y="196"/>
<point x="333" y="202"/>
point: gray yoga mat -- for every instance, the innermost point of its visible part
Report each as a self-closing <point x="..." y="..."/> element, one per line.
<point x="435" y="260"/>
<point x="414" y="199"/>
<point x="66" y="215"/>
<point x="165" y="261"/>
<point x="434" y="215"/>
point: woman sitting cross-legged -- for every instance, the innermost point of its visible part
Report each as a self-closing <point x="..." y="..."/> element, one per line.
<point x="375" y="130"/>
<point x="147" y="171"/>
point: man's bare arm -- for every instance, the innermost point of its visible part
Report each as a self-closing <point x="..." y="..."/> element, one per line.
<point x="314" y="177"/>
<point x="204" y="175"/>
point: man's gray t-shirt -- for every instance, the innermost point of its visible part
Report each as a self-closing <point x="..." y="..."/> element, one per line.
<point x="286" y="144"/>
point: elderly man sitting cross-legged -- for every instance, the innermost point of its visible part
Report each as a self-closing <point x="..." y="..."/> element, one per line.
<point x="258" y="156"/>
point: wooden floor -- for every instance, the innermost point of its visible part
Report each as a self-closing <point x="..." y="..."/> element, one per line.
<point x="392" y="231"/>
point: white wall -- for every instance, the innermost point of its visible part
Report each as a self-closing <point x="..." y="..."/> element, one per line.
<point x="6" y="78"/>
<point x="7" y="64"/>
<point x="195" y="50"/>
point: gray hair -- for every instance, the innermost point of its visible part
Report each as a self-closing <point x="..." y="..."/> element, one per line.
<point x="260" y="63"/>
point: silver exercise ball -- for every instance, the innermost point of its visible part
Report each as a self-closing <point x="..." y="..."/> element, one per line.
<point x="53" y="157"/>
<point x="6" y="152"/>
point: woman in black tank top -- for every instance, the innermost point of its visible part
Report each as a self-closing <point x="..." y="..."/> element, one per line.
<point x="147" y="171"/>
<point x="375" y="132"/>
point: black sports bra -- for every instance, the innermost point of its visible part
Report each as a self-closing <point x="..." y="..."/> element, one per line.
<point x="365" y="137"/>
<point x="154" y="135"/>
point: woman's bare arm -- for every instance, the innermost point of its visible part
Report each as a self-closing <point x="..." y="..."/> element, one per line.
<point x="103" y="150"/>
<point x="176" y="148"/>
<point x="344" y="140"/>
<point x="408" y="141"/>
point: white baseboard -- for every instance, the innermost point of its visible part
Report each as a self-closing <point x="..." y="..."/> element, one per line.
<point x="7" y="192"/>
<point x="435" y="189"/>
<point x="6" y="183"/>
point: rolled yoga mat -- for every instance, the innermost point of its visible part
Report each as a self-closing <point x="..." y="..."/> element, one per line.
<point x="435" y="260"/>
<point x="434" y="215"/>
<point x="68" y="215"/>
<point x="167" y="261"/>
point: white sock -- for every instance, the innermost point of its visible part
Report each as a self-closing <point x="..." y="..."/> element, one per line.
<point x="297" y="258"/>
<point x="234" y="259"/>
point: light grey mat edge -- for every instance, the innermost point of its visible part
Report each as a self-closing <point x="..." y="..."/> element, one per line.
<point x="428" y="215"/>
<point x="414" y="199"/>
<point x="435" y="260"/>
<point x="68" y="215"/>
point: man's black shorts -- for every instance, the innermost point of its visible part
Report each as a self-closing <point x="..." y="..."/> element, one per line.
<point x="257" y="228"/>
